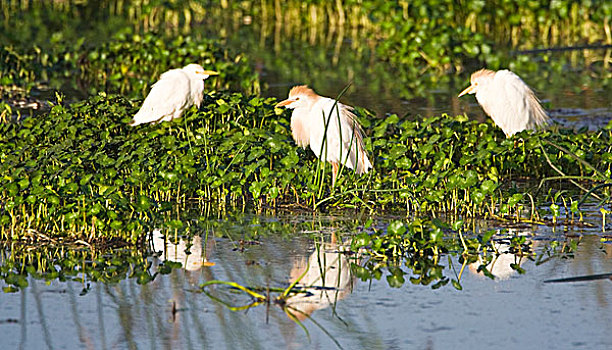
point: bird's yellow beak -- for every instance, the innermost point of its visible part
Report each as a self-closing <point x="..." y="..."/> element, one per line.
<point x="468" y="90"/>
<point x="284" y="103"/>
<point x="210" y="72"/>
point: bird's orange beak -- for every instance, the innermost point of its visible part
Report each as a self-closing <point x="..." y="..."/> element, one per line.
<point x="210" y="72"/>
<point x="284" y="103"/>
<point x="468" y="90"/>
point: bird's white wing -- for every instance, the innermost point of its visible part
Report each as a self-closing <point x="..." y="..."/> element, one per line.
<point x="531" y="104"/>
<point x="512" y="104"/>
<point x="170" y="94"/>
<point x="344" y="137"/>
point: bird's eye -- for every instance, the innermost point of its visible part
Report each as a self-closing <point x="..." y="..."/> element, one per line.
<point x="297" y="98"/>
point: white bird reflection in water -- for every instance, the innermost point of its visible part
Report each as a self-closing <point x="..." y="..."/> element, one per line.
<point x="190" y="253"/>
<point x="326" y="276"/>
<point x="503" y="265"/>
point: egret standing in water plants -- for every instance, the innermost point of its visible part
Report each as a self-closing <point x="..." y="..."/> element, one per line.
<point x="329" y="127"/>
<point x="508" y="100"/>
<point x="174" y="92"/>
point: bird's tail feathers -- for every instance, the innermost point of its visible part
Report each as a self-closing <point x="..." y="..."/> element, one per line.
<point x="357" y="159"/>
<point x="137" y="120"/>
<point x="539" y="116"/>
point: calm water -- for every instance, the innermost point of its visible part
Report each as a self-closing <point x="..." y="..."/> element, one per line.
<point x="513" y="311"/>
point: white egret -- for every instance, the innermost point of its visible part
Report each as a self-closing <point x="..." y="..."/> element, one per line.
<point x="174" y="92"/>
<point x="508" y="100"/>
<point x="343" y="141"/>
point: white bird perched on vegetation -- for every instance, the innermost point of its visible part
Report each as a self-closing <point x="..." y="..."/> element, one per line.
<point x="343" y="141"/>
<point x="508" y="100"/>
<point x="174" y="92"/>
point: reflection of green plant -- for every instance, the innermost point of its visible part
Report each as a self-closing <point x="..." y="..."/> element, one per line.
<point x="419" y="245"/>
<point x="74" y="261"/>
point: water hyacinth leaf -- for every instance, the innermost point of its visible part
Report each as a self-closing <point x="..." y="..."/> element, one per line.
<point x="574" y="207"/>
<point x="488" y="186"/>
<point x="471" y="178"/>
<point x="273" y="192"/>
<point x="377" y="244"/>
<point x="453" y="181"/>
<point x="441" y="283"/>
<point x="457" y="225"/>
<point x="396" y="278"/>
<point x="17" y="280"/>
<point x="436" y="235"/>
<point x="174" y="224"/>
<point x="143" y="203"/>
<point x="478" y="197"/>
<point x="397" y="151"/>
<point x="54" y="200"/>
<point x="359" y="241"/>
<point x="360" y="272"/>
<point x="403" y="163"/>
<point x="144" y="278"/>
<point x="555" y="210"/>
<point x="456" y="284"/>
<point x="516" y="198"/>
<point x="396" y="228"/>
<point x="116" y="224"/>
<point x="486" y="237"/>
<point x="440" y="224"/>
<point x="23" y="183"/>
<point x="10" y="289"/>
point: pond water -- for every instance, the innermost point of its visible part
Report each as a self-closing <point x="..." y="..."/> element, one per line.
<point x="517" y="309"/>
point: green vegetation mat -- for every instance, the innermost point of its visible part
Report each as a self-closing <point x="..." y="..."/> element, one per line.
<point x="76" y="179"/>
<point x="83" y="171"/>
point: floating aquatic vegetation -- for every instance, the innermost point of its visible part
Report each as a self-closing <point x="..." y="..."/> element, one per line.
<point x="126" y="64"/>
<point x="112" y="52"/>
<point x="81" y="170"/>
<point x="400" y="251"/>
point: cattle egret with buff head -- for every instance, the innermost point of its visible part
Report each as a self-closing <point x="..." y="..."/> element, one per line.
<point x="343" y="141"/>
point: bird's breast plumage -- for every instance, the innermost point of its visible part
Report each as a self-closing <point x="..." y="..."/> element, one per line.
<point x="197" y="91"/>
<point x="300" y="126"/>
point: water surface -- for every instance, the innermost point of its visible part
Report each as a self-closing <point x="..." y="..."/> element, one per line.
<point x="514" y="310"/>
